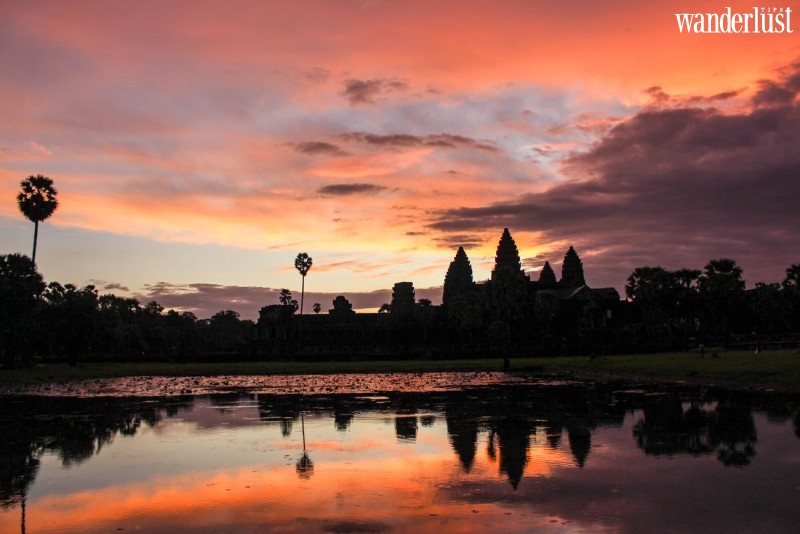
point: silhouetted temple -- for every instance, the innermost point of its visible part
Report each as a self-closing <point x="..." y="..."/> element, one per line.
<point x="510" y="287"/>
<point x="509" y="313"/>
<point x="507" y="265"/>
<point x="547" y="277"/>
<point x="458" y="280"/>
<point x="572" y="270"/>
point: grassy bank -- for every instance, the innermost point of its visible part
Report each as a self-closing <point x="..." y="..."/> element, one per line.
<point x="773" y="369"/>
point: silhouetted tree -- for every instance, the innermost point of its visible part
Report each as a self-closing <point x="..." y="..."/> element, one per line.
<point x="285" y="297"/>
<point x="771" y="310"/>
<point x="183" y="331"/>
<point x="649" y="284"/>
<point x="37" y="201"/>
<point x="20" y="287"/>
<point x="226" y="330"/>
<point x="151" y="321"/>
<point x="722" y="290"/>
<point x="317" y="307"/>
<point x="791" y="294"/>
<point x="302" y="263"/>
<point x="687" y="278"/>
<point x="653" y="290"/>
<point x="341" y="306"/>
<point x="722" y="274"/>
<point x="686" y="303"/>
<point x="119" y="325"/>
<point x="72" y="318"/>
<point x="792" y="279"/>
<point x="385" y="308"/>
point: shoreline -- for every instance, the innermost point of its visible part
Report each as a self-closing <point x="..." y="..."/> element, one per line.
<point x="771" y="370"/>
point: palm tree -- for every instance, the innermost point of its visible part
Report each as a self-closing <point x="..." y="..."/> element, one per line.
<point x="317" y="307"/>
<point x="285" y="297"/>
<point x="722" y="275"/>
<point x="37" y="201"/>
<point x="302" y="263"/>
<point x="792" y="276"/>
<point x="721" y="288"/>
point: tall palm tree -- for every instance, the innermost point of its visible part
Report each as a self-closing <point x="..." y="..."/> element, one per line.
<point x="722" y="275"/>
<point x="37" y="201"/>
<point x="302" y="263"/>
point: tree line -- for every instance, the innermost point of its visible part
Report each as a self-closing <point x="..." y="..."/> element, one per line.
<point x="66" y="322"/>
<point x="712" y="303"/>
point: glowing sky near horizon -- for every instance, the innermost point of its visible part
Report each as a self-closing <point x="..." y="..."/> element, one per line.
<point x="198" y="147"/>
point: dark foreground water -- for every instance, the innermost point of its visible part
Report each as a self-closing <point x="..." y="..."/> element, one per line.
<point x="498" y="455"/>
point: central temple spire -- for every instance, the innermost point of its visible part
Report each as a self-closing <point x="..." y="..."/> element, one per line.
<point x="572" y="270"/>
<point x="507" y="259"/>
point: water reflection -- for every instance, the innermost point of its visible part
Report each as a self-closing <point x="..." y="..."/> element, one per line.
<point x="510" y="457"/>
<point x="305" y="467"/>
<point x="727" y="428"/>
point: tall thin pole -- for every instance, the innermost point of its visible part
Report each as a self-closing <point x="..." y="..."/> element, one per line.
<point x="302" y="294"/>
<point x="35" y="237"/>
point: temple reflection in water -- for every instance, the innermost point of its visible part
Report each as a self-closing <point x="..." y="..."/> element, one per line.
<point x="463" y="443"/>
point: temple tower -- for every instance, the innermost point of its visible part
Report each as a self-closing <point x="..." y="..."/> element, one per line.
<point x="507" y="264"/>
<point x="547" y="278"/>
<point x="458" y="280"/>
<point x="403" y="299"/>
<point x="572" y="270"/>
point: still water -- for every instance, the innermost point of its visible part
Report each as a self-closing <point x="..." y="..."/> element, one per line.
<point x="495" y="456"/>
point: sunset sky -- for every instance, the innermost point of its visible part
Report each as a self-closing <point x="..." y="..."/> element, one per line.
<point x="198" y="147"/>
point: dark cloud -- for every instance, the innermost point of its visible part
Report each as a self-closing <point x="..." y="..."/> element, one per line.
<point x="674" y="187"/>
<point x="317" y="75"/>
<point x="319" y="148"/>
<point x="204" y="300"/>
<point x="661" y="98"/>
<point x="350" y="189"/>
<point x="442" y="140"/>
<point x="460" y="240"/>
<point x="537" y="261"/>
<point x="368" y="91"/>
<point x="102" y="285"/>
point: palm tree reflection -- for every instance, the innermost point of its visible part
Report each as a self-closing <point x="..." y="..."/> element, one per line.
<point x="304" y="466"/>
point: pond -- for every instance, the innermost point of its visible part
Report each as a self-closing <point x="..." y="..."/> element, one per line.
<point x="364" y="453"/>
